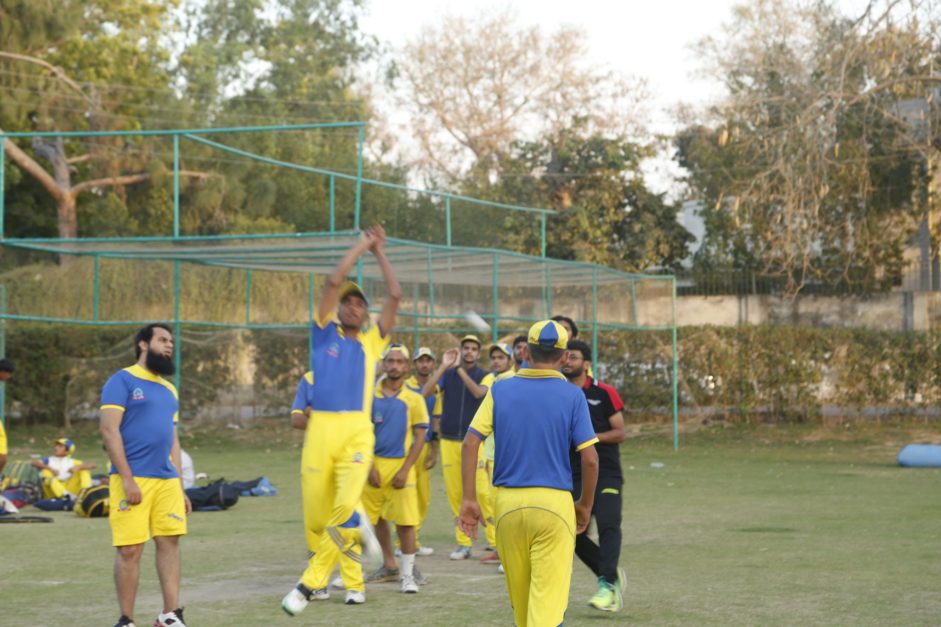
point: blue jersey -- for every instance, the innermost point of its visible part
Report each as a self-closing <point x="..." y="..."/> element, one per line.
<point x="458" y="405"/>
<point x="432" y="401"/>
<point x="303" y="394"/>
<point x="150" y="407"/>
<point x="345" y="367"/>
<point x="394" y="418"/>
<point x="535" y="418"/>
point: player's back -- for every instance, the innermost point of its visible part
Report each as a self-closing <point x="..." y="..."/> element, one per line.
<point x="534" y="415"/>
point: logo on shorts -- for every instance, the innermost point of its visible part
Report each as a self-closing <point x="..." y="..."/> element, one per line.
<point x="175" y="516"/>
<point x="137" y="394"/>
<point x="123" y="506"/>
<point x="358" y="458"/>
<point x="333" y="350"/>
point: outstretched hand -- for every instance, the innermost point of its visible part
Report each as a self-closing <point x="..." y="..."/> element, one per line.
<point x="378" y="234"/>
<point x="451" y="357"/>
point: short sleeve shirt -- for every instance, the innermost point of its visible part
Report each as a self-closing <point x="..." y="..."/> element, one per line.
<point x="432" y="401"/>
<point x="603" y="402"/>
<point x="345" y="367"/>
<point x="535" y="417"/>
<point x="151" y="409"/>
<point x="302" y="396"/>
<point x="394" y="418"/>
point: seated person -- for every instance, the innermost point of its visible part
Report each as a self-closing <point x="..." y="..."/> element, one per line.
<point x="61" y="474"/>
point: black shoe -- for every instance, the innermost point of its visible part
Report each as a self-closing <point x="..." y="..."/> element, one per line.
<point x="124" y="621"/>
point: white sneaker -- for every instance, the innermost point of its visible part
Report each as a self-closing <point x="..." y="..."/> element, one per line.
<point x="500" y="569"/>
<point x="372" y="551"/>
<point x="461" y="553"/>
<point x="170" y="619"/>
<point x="409" y="584"/>
<point x="300" y="595"/>
<point x="424" y="551"/>
<point x="337" y="583"/>
<point x="398" y="552"/>
<point x="354" y="597"/>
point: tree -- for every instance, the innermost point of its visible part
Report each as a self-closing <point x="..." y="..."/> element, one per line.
<point x="475" y="86"/>
<point x="808" y="168"/>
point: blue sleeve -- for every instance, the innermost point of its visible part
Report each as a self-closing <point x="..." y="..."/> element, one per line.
<point x="583" y="434"/>
<point x="300" y="398"/>
<point x="114" y="392"/>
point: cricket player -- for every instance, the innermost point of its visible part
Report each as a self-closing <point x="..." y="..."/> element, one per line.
<point x="536" y="417"/>
<point x="425" y="362"/>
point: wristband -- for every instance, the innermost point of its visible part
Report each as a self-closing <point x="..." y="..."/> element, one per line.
<point x="434" y="436"/>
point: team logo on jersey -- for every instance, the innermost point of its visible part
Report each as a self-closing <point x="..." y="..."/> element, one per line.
<point x="377" y="418"/>
<point x="123" y="506"/>
<point x="358" y="458"/>
<point x="137" y="394"/>
<point x="333" y="350"/>
<point x="594" y="401"/>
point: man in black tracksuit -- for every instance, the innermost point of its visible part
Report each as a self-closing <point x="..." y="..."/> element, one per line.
<point x="604" y="405"/>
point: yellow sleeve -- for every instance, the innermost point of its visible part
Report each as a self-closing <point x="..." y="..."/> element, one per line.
<point x="438" y="409"/>
<point x="417" y="411"/>
<point x="376" y="341"/>
<point x="487" y="381"/>
<point x="3" y="440"/>
<point x="482" y="423"/>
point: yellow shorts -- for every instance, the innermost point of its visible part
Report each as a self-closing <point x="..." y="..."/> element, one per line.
<point x="161" y="511"/>
<point x="3" y="439"/>
<point x="397" y="506"/>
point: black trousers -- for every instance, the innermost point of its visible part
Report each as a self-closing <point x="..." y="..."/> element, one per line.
<point x="602" y="558"/>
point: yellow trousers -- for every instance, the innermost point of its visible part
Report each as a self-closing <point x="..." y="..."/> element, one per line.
<point x="451" y="468"/>
<point x="53" y="488"/>
<point x="536" y="540"/>
<point x="423" y="486"/>
<point x="337" y="455"/>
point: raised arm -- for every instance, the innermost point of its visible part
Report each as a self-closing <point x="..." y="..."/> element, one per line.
<point x="393" y="289"/>
<point x="331" y="291"/>
<point x="448" y="360"/>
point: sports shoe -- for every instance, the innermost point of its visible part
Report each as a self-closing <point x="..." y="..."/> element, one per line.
<point x="354" y="597"/>
<point x="300" y="595"/>
<point x="420" y="579"/>
<point x="409" y="585"/>
<point x="608" y="597"/>
<point x="372" y="551"/>
<point x="398" y="552"/>
<point x="383" y="574"/>
<point x="490" y="558"/>
<point x="170" y="619"/>
<point x="124" y="621"/>
<point x="424" y="551"/>
<point x="461" y="553"/>
<point x="622" y="580"/>
<point x="500" y="569"/>
<point x="337" y="583"/>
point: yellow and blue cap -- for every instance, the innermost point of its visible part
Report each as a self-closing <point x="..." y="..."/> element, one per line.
<point x="67" y="443"/>
<point x="471" y="338"/>
<point x="351" y="288"/>
<point x="401" y="348"/>
<point x="548" y="334"/>
<point x="424" y="351"/>
<point x="503" y="348"/>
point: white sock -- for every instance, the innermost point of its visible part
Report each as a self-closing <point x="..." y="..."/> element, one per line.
<point x="407" y="564"/>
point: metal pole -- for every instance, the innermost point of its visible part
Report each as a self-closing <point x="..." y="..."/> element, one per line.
<point x="177" y="326"/>
<point x="176" y="188"/>
<point x="359" y="175"/>
<point x="447" y="219"/>
<point x="542" y="235"/>
<point x="495" y="299"/>
<point x="248" y="297"/>
<point x="3" y="159"/>
<point x="676" y="370"/>
<point x="333" y="207"/>
<point x="96" y="288"/>
<point x="633" y="301"/>
<point x="431" y="287"/>
<point x="3" y="351"/>
<point x="594" y="314"/>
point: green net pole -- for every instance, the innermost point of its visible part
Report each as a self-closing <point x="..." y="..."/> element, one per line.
<point x="676" y="375"/>
<point x="416" y="329"/>
<point x="3" y="352"/>
<point x="310" y="297"/>
<point x="248" y="297"/>
<point x="542" y="234"/>
<point x="447" y="219"/>
<point x="594" y="312"/>
<point x="333" y="207"/>
<point x="3" y="159"/>
<point x="359" y="175"/>
<point x="177" y="326"/>
<point x="96" y="288"/>
<point x="176" y="187"/>
<point x="431" y="287"/>
<point x="495" y="299"/>
<point x="547" y="292"/>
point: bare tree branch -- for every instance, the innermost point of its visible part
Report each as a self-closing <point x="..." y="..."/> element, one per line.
<point x="130" y="179"/>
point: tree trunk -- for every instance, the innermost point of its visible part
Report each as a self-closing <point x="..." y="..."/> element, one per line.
<point x="67" y="217"/>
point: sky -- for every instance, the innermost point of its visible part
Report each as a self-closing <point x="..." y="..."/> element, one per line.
<point x="650" y="39"/>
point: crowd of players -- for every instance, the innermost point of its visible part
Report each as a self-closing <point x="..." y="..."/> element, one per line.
<point x="528" y="449"/>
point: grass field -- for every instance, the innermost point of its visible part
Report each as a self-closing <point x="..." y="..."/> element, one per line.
<point x="744" y="525"/>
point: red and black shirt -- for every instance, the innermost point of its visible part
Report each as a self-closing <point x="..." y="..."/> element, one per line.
<point x="603" y="402"/>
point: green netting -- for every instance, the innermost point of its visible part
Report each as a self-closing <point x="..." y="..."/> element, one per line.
<point x="451" y="254"/>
